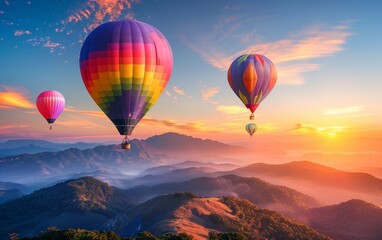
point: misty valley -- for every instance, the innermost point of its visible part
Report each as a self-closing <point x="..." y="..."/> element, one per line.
<point x="174" y="184"/>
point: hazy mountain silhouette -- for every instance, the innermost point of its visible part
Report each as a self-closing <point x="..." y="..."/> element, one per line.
<point x="351" y="220"/>
<point x="184" y="212"/>
<point x="375" y="171"/>
<point x="188" y="164"/>
<point x="344" y="161"/>
<point x="91" y="204"/>
<point x="10" y="194"/>
<point x="176" y="175"/>
<point x="265" y="195"/>
<point x="314" y="179"/>
<point x="31" y="146"/>
<point x="10" y="191"/>
<point x="81" y="203"/>
<point x="11" y="185"/>
<point x="55" y="165"/>
<point x="175" y="142"/>
<point x="143" y="154"/>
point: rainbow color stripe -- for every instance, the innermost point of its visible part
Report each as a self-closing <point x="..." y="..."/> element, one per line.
<point x="252" y="77"/>
<point x="125" y="66"/>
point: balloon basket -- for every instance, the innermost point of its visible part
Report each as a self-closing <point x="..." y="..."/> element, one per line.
<point x="252" y="117"/>
<point x="126" y="144"/>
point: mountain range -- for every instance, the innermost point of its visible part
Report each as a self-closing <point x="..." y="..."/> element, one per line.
<point x="265" y="195"/>
<point x="81" y="203"/>
<point x="143" y="154"/>
<point x="314" y="179"/>
<point x="147" y="164"/>
<point x="91" y="204"/>
<point x="351" y="220"/>
<point x="197" y="216"/>
<point x="166" y="166"/>
<point x="31" y="146"/>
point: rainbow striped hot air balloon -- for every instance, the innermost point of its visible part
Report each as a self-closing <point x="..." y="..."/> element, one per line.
<point x="252" y="77"/>
<point x="50" y="104"/>
<point x="125" y="66"/>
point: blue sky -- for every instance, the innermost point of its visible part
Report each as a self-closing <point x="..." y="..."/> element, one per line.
<point x="327" y="53"/>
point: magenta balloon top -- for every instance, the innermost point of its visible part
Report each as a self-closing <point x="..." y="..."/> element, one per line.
<point x="50" y="104"/>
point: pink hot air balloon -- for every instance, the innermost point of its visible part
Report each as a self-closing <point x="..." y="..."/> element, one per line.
<point x="50" y="104"/>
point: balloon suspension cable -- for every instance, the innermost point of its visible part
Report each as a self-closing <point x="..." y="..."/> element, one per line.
<point x="252" y="117"/>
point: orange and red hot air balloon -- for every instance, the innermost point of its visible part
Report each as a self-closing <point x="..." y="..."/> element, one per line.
<point x="50" y="104"/>
<point x="252" y="77"/>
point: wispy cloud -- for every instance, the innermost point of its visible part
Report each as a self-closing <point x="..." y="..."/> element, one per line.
<point x="51" y="45"/>
<point x="100" y="11"/>
<point x="46" y="42"/>
<point x="268" y="127"/>
<point x="170" y="95"/>
<point x="346" y="110"/>
<point x="71" y="109"/>
<point x="179" y="91"/>
<point x="330" y="131"/>
<point x="232" y="109"/>
<point x="77" y="123"/>
<point x="208" y="93"/>
<point x="293" y="74"/>
<point x="11" y="128"/>
<point x="287" y="54"/>
<point x="11" y="98"/>
<point x="191" y="126"/>
<point x="22" y="32"/>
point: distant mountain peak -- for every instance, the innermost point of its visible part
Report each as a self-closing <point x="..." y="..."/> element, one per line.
<point x="353" y="219"/>
<point x="172" y="135"/>
<point x="355" y="204"/>
<point x="176" y="142"/>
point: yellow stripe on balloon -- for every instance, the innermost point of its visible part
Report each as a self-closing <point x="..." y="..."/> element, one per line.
<point x="243" y="98"/>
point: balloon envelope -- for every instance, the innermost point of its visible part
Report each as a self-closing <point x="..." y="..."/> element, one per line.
<point x="50" y="104"/>
<point x="125" y="66"/>
<point x="252" y="77"/>
<point x="251" y="128"/>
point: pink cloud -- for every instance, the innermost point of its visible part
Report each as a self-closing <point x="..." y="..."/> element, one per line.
<point x="208" y="93"/>
<point x="85" y="112"/>
<point x="99" y="11"/>
<point x="170" y="95"/>
<point x="51" y="45"/>
<point x="11" y="128"/>
<point x="22" y="32"/>
<point x="287" y="54"/>
<point x="179" y="91"/>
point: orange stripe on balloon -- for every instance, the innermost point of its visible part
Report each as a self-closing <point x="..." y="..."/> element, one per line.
<point x="250" y="78"/>
<point x="273" y="78"/>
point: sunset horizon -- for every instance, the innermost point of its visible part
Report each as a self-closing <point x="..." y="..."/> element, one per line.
<point x="212" y="106"/>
